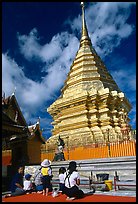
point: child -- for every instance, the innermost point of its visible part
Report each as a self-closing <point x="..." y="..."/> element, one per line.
<point x="28" y="186"/>
<point x="62" y="170"/>
<point x="46" y="173"/>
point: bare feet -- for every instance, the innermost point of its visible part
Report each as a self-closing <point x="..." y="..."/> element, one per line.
<point x="68" y="198"/>
<point x="39" y="192"/>
<point x="7" y="195"/>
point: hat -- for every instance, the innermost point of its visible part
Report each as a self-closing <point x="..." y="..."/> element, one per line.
<point x="46" y="163"/>
<point x="28" y="176"/>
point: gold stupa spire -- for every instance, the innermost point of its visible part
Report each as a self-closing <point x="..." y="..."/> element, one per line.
<point x="84" y="36"/>
<point x="84" y="27"/>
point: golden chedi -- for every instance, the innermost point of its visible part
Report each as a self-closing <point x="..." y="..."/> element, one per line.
<point x="91" y="108"/>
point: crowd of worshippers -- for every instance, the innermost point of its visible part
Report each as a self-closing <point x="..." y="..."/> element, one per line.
<point x="69" y="181"/>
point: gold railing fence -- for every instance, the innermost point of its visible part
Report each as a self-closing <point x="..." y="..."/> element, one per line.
<point x="95" y="151"/>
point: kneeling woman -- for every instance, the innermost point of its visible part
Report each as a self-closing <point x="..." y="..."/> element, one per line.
<point x="72" y="181"/>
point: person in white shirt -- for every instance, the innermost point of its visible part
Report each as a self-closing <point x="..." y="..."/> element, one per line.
<point x="72" y="181"/>
<point x="28" y="186"/>
<point x="62" y="170"/>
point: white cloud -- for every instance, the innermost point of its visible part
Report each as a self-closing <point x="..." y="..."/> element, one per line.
<point x="125" y="77"/>
<point x="59" y="69"/>
<point x="12" y="74"/>
<point x="50" y="52"/>
<point x="29" y="45"/>
<point x="107" y="24"/>
<point x="58" y="56"/>
<point x="30" y="94"/>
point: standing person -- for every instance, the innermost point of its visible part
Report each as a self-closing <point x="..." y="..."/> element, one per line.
<point x="62" y="170"/>
<point x="72" y="181"/>
<point x="28" y="185"/>
<point x="38" y="181"/>
<point x="46" y="171"/>
<point x="17" y="183"/>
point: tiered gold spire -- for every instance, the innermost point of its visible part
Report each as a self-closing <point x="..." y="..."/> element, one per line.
<point x="88" y="71"/>
<point x="84" y="36"/>
<point x="90" y="102"/>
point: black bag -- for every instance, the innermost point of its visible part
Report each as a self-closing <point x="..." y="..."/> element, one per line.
<point x="102" y="177"/>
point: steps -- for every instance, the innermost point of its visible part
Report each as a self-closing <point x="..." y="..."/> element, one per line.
<point x="125" y="167"/>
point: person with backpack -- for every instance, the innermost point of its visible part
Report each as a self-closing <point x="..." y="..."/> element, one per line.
<point x="46" y="171"/>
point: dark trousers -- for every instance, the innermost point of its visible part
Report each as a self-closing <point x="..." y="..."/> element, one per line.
<point x="61" y="187"/>
<point x="46" y="182"/>
<point x="73" y="192"/>
<point x="18" y="191"/>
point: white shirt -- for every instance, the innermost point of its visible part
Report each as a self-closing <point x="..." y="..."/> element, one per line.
<point x="72" y="179"/>
<point x="27" y="185"/>
<point x="61" y="178"/>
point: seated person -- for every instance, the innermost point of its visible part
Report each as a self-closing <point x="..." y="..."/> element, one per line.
<point x="72" y="181"/>
<point x="17" y="183"/>
<point x="62" y="170"/>
<point x="38" y="181"/>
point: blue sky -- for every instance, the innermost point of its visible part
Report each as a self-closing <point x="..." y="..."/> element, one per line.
<point x="40" y="41"/>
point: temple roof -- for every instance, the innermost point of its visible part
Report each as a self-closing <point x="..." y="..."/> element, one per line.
<point x="13" y="122"/>
<point x="14" y="126"/>
<point x="36" y="132"/>
<point x="11" y="108"/>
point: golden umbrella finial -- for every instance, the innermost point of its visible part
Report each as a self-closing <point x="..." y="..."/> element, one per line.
<point x="82" y="4"/>
<point x="84" y="28"/>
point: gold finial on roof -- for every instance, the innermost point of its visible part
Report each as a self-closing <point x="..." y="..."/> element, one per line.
<point x="14" y="91"/>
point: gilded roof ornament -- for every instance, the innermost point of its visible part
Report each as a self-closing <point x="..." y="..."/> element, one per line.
<point x="14" y="91"/>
